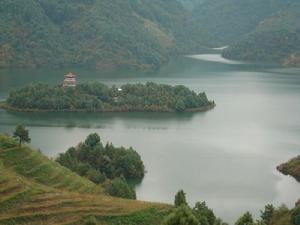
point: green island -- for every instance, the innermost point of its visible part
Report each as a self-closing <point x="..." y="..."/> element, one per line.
<point x="292" y="168"/>
<point x="97" y="97"/>
<point x="36" y="190"/>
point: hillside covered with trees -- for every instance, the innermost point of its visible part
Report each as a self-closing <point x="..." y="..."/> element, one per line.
<point x="229" y="20"/>
<point x="106" y="34"/>
<point x="97" y="97"/>
<point x="256" y="30"/>
<point x="276" y="39"/>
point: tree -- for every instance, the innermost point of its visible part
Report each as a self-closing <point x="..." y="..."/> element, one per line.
<point x="180" y="105"/>
<point x="204" y="215"/>
<point x="22" y="134"/>
<point x="296" y="216"/>
<point x="92" y="140"/>
<point x="180" y="198"/>
<point x="181" y="216"/>
<point x="96" y="176"/>
<point x="267" y="214"/>
<point x="245" y="219"/>
<point x="120" y="188"/>
<point x="219" y="222"/>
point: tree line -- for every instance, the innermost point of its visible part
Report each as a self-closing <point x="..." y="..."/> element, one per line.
<point x="200" y="214"/>
<point x="96" y="96"/>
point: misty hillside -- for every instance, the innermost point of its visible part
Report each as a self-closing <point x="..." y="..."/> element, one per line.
<point x="106" y="34"/>
<point x="228" y="20"/>
<point x="256" y="30"/>
<point x="191" y="4"/>
<point x="276" y="39"/>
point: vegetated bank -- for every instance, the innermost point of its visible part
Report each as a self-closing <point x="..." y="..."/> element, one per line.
<point x="97" y="97"/>
<point x="292" y="168"/>
<point x="39" y="191"/>
<point x="114" y="168"/>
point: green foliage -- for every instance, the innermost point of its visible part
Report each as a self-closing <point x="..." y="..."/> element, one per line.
<point x="90" y="221"/>
<point x="219" y="221"/>
<point x="204" y="215"/>
<point x="245" y="219"/>
<point x="200" y="212"/>
<point x="120" y="188"/>
<point x="275" y="39"/>
<point x="96" y="176"/>
<point x="180" y="199"/>
<point x="21" y="134"/>
<point x="96" y="162"/>
<point x="229" y="20"/>
<point x="267" y="213"/>
<point x="181" y="216"/>
<point x="106" y="34"/>
<point x="92" y="140"/>
<point x="98" y="97"/>
<point x="268" y="46"/>
<point x="145" y="217"/>
<point x="296" y="216"/>
<point x="108" y="160"/>
<point x="281" y="216"/>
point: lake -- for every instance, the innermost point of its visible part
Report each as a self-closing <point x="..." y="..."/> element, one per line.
<point x="226" y="156"/>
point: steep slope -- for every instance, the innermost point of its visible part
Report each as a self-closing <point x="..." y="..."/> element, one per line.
<point x="276" y="39"/>
<point x="107" y="34"/>
<point x="228" y="20"/>
<point x="35" y="190"/>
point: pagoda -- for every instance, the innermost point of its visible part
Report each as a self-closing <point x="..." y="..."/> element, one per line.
<point x="70" y="80"/>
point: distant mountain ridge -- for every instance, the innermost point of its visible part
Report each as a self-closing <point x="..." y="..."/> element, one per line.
<point x="256" y="30"/>
<point x="106" y="34"/>
<point x="276" y="39"/>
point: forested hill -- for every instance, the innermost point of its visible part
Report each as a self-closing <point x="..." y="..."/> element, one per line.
<point x="256" y="30"/>
<point x="276" y="39"/>
<point x="191" y="4"/>
<point x="106" y="34"/>
<point x="228" y="20"/>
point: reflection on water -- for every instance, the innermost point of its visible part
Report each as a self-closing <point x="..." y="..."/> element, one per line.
<point x="226" y="156"/>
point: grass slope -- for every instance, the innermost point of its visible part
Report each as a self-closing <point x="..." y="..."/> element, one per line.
<point x="35" y="190"/>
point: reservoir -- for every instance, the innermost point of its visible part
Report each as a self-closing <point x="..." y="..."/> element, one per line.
<point x="226" y="156"/>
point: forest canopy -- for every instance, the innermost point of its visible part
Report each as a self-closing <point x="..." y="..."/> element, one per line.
<point x="98" y="97"/>
<point x="105" y="164"/>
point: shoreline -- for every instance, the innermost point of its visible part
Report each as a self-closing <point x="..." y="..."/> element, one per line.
<point x="4" y="106"/>
<point x="291" y="168"/>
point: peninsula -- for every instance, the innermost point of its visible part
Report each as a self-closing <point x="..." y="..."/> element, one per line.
<point x="292" y="168"/>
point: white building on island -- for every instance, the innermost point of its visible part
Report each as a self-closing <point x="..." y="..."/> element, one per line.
<point x="70" y="80"/>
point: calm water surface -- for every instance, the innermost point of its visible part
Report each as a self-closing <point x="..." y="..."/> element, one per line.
<point x="226" y="156"/>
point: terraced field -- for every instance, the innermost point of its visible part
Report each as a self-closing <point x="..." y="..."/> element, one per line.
<point x="35" y="190"/>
